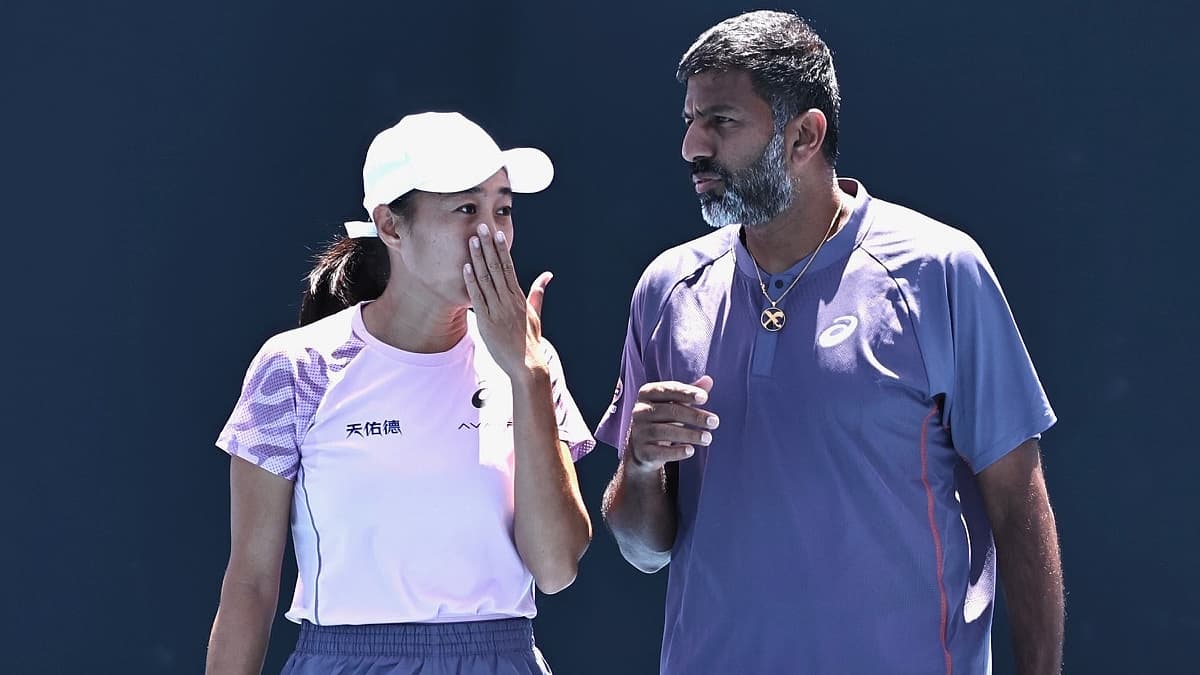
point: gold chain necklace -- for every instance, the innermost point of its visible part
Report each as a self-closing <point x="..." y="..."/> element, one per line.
<point x="773" y="318"/>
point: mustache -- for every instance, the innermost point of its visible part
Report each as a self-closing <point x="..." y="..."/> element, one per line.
<point x="707" y="166"/>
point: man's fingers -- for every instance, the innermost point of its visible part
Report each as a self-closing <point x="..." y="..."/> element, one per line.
<point x="657" y="455"/>
<point x="537" y="292"/>
<point x="665" y="433"/>
<point x="671" y="412"/>
<point x="667" y="425"/>
<point x="674" y="391"/>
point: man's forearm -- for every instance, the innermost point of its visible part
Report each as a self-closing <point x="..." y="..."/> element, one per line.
<point x="640" y="511"/>
<point x="1031" y="574"/>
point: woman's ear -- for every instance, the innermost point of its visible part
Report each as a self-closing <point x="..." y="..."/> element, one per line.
<point x="387" y="224"/>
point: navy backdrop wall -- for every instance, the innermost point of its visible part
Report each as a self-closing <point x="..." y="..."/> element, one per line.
<point x="168" y="169"/>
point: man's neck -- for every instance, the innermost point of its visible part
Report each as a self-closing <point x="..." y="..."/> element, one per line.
<point x="788" y="238"/>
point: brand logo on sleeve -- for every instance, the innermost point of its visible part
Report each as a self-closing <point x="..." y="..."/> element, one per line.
<point x="612" y="407"/>
<point x="837" y="332"/>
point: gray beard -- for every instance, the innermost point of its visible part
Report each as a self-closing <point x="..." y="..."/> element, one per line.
<point x="753" y="195"/>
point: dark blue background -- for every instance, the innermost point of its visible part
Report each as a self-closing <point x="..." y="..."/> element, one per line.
<point x="169" y="168"/>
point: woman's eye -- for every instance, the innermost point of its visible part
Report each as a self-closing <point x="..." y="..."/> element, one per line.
<point x="468" y="209"/>
<point x="504" y="211"/>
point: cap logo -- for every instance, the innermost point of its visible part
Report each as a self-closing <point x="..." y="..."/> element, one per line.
<point x="387" y="167"/>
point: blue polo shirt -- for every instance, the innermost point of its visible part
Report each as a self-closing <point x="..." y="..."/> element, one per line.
<point x="835" y="523"/>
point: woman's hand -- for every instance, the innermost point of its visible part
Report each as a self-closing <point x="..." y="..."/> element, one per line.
<point x="551" y="527"/>
<point x="509" y="321"/>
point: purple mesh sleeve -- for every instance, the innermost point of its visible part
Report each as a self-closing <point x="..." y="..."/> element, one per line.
<point x="262" y="427"/>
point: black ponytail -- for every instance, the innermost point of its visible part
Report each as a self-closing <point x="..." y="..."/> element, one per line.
<point x="348" y="272"/>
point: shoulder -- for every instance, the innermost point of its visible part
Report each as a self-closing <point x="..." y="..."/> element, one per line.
<point x="330" y="339"/>
<point x="907" y="242"/>
<point x="682" y="262"/>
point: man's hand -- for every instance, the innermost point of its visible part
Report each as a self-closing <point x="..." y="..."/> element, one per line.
<point x="666" y="425"/>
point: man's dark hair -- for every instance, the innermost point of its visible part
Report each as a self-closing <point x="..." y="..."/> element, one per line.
<point x="348" y="272"/>
<point x="790" y="66"/>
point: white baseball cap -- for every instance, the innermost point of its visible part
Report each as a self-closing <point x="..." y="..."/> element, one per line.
<point x="444" y="152"/>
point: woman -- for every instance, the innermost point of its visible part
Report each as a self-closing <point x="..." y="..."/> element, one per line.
<point x="423" y="451"/>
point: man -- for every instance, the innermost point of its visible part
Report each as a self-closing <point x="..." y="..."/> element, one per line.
<point x="823" y="404"/>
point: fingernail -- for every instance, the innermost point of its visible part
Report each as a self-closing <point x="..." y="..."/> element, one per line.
<point x="467" y="268"/>
<point x="702" y="397"/>
<point x="500" y="237"/>
<point x="689" y="451"/>
<point x="712" y="422"/>
<point x="474" y="242"/>
<point x="483" y="229"/>
<point x="706" y="437"/>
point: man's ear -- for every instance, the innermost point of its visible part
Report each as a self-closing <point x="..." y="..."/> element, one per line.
<point x="805" y="135"/>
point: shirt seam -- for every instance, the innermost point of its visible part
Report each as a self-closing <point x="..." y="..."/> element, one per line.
<point x="909" y="318"/>
<point x="312" y="521"/>
<point x="665" y="299"/>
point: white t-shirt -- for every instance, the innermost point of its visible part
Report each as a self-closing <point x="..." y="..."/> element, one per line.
<point x="403" y="468"/>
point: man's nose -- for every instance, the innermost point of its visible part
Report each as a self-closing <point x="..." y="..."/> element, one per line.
<point x="697" y="143"/>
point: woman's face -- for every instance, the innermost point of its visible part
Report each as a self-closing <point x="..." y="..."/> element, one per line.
<point x="434" y="243"/>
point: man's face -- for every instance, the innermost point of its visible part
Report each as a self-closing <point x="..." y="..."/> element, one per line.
<point x="739" y="163"/>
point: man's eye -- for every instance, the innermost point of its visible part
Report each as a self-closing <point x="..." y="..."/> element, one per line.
<point x="722" y="120"/>
<point x="468" y="209"/>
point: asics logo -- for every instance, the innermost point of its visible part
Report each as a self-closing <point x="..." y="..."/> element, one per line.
<point x="838" y="331"/>
<point x="480" y="398"/>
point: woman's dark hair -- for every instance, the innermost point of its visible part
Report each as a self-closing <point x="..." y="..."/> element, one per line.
<point x="348" y="272"/>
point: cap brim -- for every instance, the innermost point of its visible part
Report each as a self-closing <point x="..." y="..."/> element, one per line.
<point x="529" y="169"/>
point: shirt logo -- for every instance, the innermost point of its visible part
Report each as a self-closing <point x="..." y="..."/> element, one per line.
<point x="620" y="389"/>
<point x="838" y="331"/>
<point x="482" y="425"/>
<point x="479" y="399"/>
<point x="384" y="428"/>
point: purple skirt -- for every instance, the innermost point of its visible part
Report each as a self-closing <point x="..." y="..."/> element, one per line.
<point x="501" y="647"/>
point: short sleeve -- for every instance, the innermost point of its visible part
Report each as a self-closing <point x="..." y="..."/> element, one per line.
<point x="572" y="430"/>
<point x="614" y="426"/>
<point x="262" y="427"/>
<point x="994" y="401"/>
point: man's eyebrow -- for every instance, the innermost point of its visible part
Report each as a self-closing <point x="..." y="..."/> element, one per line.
<point x="717" y="109"/>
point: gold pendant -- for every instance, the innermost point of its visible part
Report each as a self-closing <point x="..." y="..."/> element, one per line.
<point x="773" y="319"/>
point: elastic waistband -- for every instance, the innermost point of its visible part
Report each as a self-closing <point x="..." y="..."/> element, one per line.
<point x="417" y="639"/>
